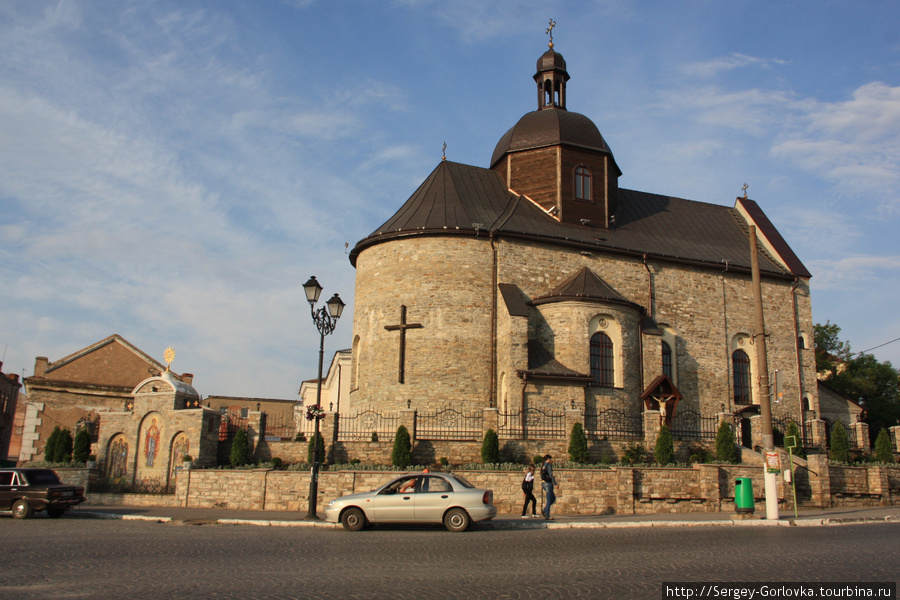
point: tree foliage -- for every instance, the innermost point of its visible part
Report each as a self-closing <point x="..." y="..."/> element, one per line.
<point x="884" y="451"/>
<point x="59" y="446"/>
<point x="490" y="448"/>
<point x="664" y="452"/>
<point x="726" y="450"/>
<point x="840" y="444"/>
<point x="82" y="447"/>
<point x="240" y="448"/>
<point x="578" y="445"/>
<point x="401" y="455"/>
<point x="793" y="431"/>
<point x="861" y="377"/>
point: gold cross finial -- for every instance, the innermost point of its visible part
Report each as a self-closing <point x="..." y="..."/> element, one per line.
<point x="744" y="188"/>
<point x="169" y="356"/>
<point x="444" y="152"/>
<point x="550" y="31"/>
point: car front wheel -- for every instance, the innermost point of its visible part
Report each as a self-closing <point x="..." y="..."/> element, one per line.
<point x="456" y="519"/>
<point x="353" y="519"/>
<point x="21" y="509"/>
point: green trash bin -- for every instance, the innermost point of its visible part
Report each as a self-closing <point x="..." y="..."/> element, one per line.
<point x="743" y="495"/>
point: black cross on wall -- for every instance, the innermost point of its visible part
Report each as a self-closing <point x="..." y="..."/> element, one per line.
<point x="402" y="327"/>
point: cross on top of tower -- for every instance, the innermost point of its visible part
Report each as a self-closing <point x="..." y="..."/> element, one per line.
<point x="550" y="31"/>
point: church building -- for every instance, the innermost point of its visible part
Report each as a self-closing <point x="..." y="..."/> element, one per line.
<point x="538" y="282"/>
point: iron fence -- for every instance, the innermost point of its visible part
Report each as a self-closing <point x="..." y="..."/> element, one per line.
<point x="232" y="422"/>
<point x="691" y="425"/>
<point x="533" y="423"/>
<point x="613" y="424"/>
<point x="280" y="426"/>
<point x="362" y="426"/>
<point x="780" y="427"/>
<point x="449" y="424"/>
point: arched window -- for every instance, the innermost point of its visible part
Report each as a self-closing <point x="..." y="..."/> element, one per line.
<point x="667" y="360"/>
<point x="582" y="183"/>
<point x="603" y="369"/>
<point x="741" y="368"/>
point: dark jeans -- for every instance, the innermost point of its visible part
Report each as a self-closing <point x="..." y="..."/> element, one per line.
<point x="529" y="497"/>
<point x="549" y="498"/>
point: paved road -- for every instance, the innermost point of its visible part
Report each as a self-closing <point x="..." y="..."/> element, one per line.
<point x="86" y="558"/>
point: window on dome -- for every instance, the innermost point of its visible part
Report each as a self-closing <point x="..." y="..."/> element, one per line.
<point x="603" y="369"/>
<point x="582" y="183"/>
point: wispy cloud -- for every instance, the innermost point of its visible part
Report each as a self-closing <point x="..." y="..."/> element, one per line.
<point x="722" y="64"/>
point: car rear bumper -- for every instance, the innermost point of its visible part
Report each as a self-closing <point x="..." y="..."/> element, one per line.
<point x="482" y="513"/>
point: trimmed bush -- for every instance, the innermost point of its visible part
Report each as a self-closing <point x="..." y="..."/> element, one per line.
<point x="50" y="448"/>
<point x="578" y="445"/>
<point x="664" y="452"/>
<point x="316" y="438"/>
<point x="794" y="430"/>
<point x="840" y="444"/>
<point x="726" y="450"/>
<point x="634" y="453"/>
<point x="401" y="455"/>
<point x="82" y="448"/>
<point x="490" y="448"/>
<point x="240" y="449"/>
<point x="884" y="451"/>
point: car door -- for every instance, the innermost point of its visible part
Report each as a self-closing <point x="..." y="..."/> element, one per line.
<point x="7" y="480"/>
<point x="434" y="496"/>
<point x="392" y="505"/>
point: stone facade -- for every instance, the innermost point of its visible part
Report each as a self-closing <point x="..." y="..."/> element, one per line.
<point x="9" y="396"/>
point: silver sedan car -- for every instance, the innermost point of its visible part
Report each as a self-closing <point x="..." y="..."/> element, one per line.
<point x="416" y="498"/>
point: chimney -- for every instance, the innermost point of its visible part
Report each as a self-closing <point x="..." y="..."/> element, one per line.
<point x="40" y="366"/>
<point x="187" y="378"/>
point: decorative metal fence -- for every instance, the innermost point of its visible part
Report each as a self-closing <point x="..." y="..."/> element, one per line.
<point x="280" y="426"/>
<point x="691" y="425"/>
<point x="613" y="424"/>
<point x="361" y="426"/>
<point x="449" y="424"/>
<point x="232" y="422"/>
<point x="780" y="427"/>
<point x="533" y="423"/>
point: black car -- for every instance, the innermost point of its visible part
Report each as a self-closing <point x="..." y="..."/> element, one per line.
<point x="27" y="491"/>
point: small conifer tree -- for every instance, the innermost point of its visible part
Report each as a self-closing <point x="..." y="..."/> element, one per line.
<point x="840" y="444"/>
<point x="664" y="452"/>
<point x="793" y="431"/>
<point x="82" y="447"/>
<point x="50" y="448"/>
<point x="578" y="445"/>
<point x="490" y="448"/>
<point x="240" y="448"/>
<point x="401" y="455"/>
<point x="726" y="451"/>
<point x="884" y="453"/>
<point x="315" y="439"/>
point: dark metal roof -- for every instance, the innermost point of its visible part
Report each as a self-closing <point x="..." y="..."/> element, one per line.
<point x="514" y="299"/>
<point x="550" y="126"/>
<point x="584" y="285"/>
<point x="459" y="199"/>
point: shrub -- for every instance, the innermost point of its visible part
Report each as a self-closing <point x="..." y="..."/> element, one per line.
<point x="578" y="445"/>
<point x="374" y="436"/>
<point x="884" y="453"/>
<point x="633" y="453"/>
<point x="726" y="450"/>
<point x="355" y="461"/>
<point x="840" y="444"/>
<point x="664" y="452"/>
<point x="699" y="454"/>
<point x="82" y="448"/>
<point x="50" y="448"/>
<point x="240" y="449"/>
<point x="316" y="438"/>
<point x="490" y="448"/>
<point x="445" y="461"/>
<point x="537" y="459"/>
<point x="300" y="437"/>
<point x="793" y="430"/>
<point x="277" y="463"/>
<point x="401" y="455"/>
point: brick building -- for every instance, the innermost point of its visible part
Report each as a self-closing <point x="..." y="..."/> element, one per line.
<point x="539" y="283"/>
<point x="9" y="396"/>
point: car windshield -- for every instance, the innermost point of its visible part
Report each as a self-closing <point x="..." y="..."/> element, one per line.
<point x="463" y="481"/>
<point x="42" y="477"/>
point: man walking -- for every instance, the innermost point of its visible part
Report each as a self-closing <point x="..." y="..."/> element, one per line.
<point x="548" y="481"/>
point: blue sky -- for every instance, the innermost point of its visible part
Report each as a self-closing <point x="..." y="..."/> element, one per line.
<point x="173" y="171"/>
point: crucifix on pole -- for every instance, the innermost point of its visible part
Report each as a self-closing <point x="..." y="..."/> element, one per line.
<point x="402" y="327"/>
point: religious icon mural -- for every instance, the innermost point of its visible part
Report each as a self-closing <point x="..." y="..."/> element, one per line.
<point x="181" y="448"/>
<point x="117" y="460"/>
<point x="151" y="442"/>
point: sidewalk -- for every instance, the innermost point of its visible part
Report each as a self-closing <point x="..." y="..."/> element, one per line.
<point x="201" y="516"/>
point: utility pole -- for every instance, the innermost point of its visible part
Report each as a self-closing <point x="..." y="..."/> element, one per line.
<point x="762" y="363"/>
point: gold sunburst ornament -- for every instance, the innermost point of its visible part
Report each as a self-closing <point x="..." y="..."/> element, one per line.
<point x="169" y="356"/>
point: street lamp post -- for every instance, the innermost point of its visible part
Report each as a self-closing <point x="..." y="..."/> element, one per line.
<point x="325" y="321"/>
